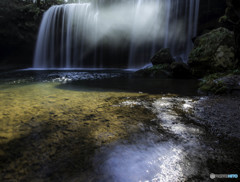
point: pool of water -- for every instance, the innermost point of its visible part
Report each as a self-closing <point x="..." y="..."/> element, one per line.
<point x="99" y="80"/>
<point x="105" y="125"/>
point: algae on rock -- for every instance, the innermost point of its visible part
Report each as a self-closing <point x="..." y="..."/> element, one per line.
<point x="221" y="83"/>
<point x="213" y="52"/>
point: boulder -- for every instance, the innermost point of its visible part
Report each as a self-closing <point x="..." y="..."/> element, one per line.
<point x="163" y="56"/>
<point x="232" y="82"/>
<point x="180" y="70"/>
<point x="213" y="52"/>
<point x="217" y="84"/>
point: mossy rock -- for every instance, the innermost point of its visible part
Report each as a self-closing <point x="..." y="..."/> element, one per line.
<point x="221" y="83"/>
<point x="213" y="52"/>
<point x="163" y="56"/>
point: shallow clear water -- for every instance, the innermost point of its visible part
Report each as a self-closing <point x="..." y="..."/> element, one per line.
<point x="98" y="126"/>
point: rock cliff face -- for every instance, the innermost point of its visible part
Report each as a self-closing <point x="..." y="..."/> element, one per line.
<point x="213" y="52"/>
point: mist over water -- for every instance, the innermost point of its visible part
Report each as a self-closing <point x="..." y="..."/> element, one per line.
<point x="123" y="33"/>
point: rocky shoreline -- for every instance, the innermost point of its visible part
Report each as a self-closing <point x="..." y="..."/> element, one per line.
<point x="220" y="114"/>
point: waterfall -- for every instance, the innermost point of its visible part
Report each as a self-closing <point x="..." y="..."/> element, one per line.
<point x="114" y="33"/>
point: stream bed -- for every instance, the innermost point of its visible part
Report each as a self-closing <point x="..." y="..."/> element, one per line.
<point x="109" y="125"/>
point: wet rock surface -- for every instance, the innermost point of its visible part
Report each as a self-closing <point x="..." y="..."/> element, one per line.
<point x="213" y="52"/>
<point x="221" y="84"/>
<point x="221" y="117"/>
<point x="221" y="114"/>
<point x="232" y="82"/>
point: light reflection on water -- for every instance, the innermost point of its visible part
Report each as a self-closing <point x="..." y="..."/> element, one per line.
<point x="155" y="157"/>
<point x="143" y="162"/>
<point x="147" y="156"/>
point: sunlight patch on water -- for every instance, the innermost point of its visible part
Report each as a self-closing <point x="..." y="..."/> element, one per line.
<point x="143" y="162"/>
<point x="131" y="103"/>
<point x="170" y="157"/>
<point x="186" y="106"/>
<point x="165" y="109"/>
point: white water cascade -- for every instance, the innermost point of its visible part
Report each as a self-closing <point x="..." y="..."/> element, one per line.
<point x="114" y="33"/>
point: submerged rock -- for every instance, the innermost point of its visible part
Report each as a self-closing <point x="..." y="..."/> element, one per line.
<point x="163" y="56"/>
<point x="213" y="52"/>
